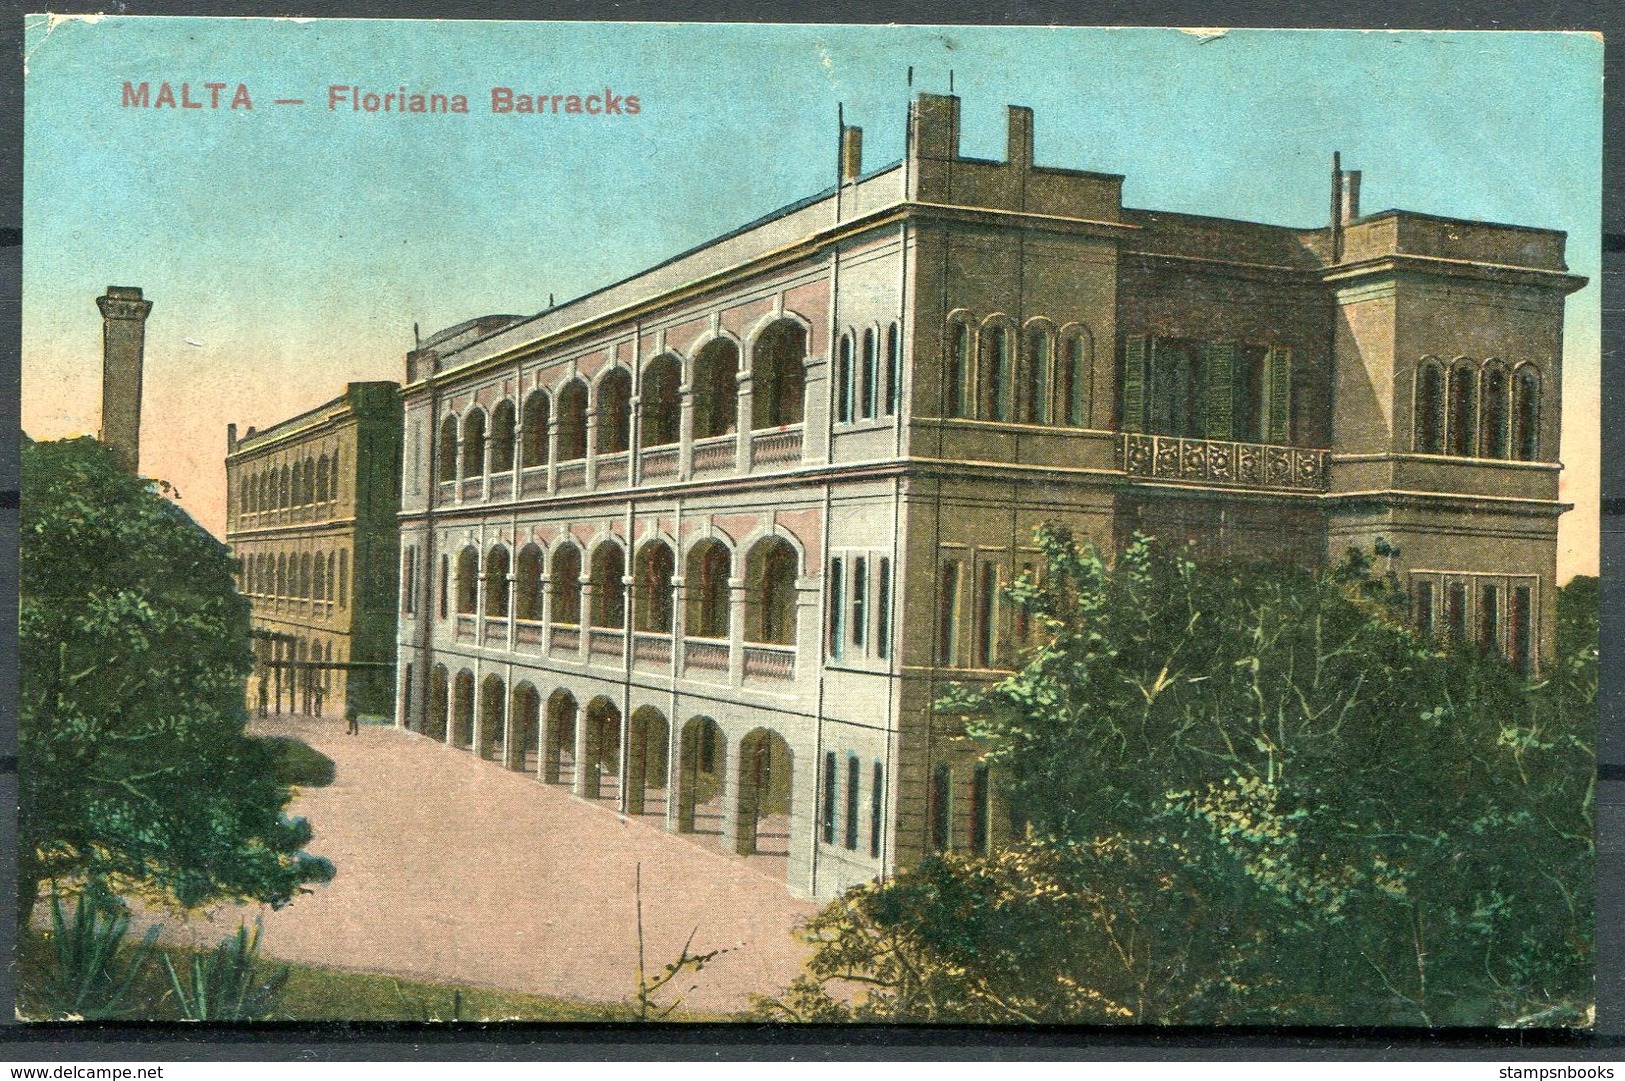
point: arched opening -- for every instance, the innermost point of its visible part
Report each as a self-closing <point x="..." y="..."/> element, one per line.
<point x="446" y="455"/>
<point x="282" y="574"/>
<point x="1036" y="376"/>
<point x="956" y="376"/>
<point x="502" y="437"/>
<point x="646" y="762"/>
<point x="1493" y="394"/>
<point x="566" y="585"/>
<point x="318" y="578"/>
<point x="304" y="577"/>
<point x="462" y="711"/>
<point x="706" y="585"/>
<point x="1526" y="414"/>
<point x="310" y="480"/>
<point x="716" y="389"/>
<point x="525" y="728"/>
<point x="608" y="591"/>
<point x="1463" y="427"/>
<point x="602" y="756"/>
<point x="474" y="444"/>
<point x="559" y="749"/>
<point x="869" y="377"/>
<point x="492" y="695"/>
<point x="435" y="721"/>
<point x="778" y="375"/>
<point x="762" y="816"/>
<point x="770" y="592"/>
<point x="997" y="376"/>
<point x="1074" y="371"/>
<point x="527" y="583"/>
<point x="701" y="766"/>
<point x="468" y="573"/>
<point x="1429" y="407"/>
<point x="496" y="582"/>
<point x="661" y="402"/>
<point x="298" y="497"/>
<point x="843" y="379"/>
<point x="285" y="498"/>
<point x="615" y="412"/>
<point x="573" y="421"/>
<point x="533" y="452"/>
<point x="321" y="479"/>
<point x="652" y="605"/>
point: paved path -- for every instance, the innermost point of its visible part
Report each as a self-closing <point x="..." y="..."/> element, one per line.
<point x="454" y="869"/>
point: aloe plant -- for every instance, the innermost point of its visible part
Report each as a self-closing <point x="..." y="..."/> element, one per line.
<point x="94" y="975"/>
<point x="225" y="984"/>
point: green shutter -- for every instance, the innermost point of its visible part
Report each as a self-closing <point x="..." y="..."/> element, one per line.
<point x="1218" y="367"/>
<point x="1279" y="395"/>
<point x="1135" y="352"/>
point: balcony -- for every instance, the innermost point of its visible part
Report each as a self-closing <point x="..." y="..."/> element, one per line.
<point x="715" y="453"/>
<point x="612" y="470"/>
<point x="501" y="485"/>
<point x="651" y="649"/>
<point x="1219" y="462"/>
<point x="496" y="629"/>
<point x="776" y="447"/>
<point x="705" y="655"/>
<point x="533" y="481"/>
<point x="467" y="628"/>
<point x="770" y="663"/>
<point x="571" y="475"/>
<point x="527" y="632"/>
<point x="472" y="487"/>
<point x="659" y="462"/>
<point x="566" y="638"/>
<point x="606" y="642"/>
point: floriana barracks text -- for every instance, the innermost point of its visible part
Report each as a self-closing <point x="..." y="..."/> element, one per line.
<point x="503" y="99"/>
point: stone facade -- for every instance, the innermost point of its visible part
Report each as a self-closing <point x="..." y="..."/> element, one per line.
<point x="311" y="516"/>
<point x="707" y="543"/>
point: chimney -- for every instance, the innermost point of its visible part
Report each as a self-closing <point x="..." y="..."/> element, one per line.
<point x="851" y="154"/>
<point x="124" y="332"/>
<point x="231" y="438"/>
<point x="1020" y="137"/>
<point x="1351" y="195"/>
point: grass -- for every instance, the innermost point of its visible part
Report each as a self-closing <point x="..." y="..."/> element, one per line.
<point x="315" y="993"/>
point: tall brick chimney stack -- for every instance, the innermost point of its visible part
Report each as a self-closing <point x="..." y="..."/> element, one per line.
<point x="124" y="336"/>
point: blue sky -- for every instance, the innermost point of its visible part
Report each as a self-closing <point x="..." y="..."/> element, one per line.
<point x="297" y="245"/>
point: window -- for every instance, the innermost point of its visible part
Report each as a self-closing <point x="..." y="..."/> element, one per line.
<point x="1429" y="407"/>
<point x="656" y="565"/>
<point x="837" y="608"/>
<point x="869" y="386"/>
<point x="496" y="583"/>
<point x="1462" y="430"/>
<point x="1455" y="611"/>
<point x="1024" y="625"/>
<point x="941" y="808"/>
<point x="996" y="374"/>
<point x="716" y="389"/>
<point x="883" y="608"/>
<point x="1035" y="392"/>
<point x="843" y="380"/>
<point x="1493" y="392"/>
<point x="1176" y="394"/>
<point x="468" y="570"/>
<point x="474" y="444"/>
<point x="1489" y="618"/>
<point x="662" y="403"/>
<point x="876" y="804"/>
<point x="987" y="617"/>
<point x="779" y="375"/>
<point x="1526" y="414"/>
<point x="829" y="797"/>
<point x="572" y="433"/>
<point x="608" y="593"/>
<point x="957" y="373"/>
<point x="980" y="809"/>
<point x="615" y="412"/>
<point x="1518" y="629"/>
<point x="344" y="578"/>
<point x="502" y="424"/>
<point x="1072" y="377"/>
<point x="533" y="451"/>
<point x="948" y="615"/>
<point x="770" y="592"/>
<point x="1424" y="606"/>
<point x="706" y="582"/>
<point x="852" y="779"/>
<point x="409" y="575"/>
<point x="566" y="585"/>
<point x="321" y="479"/>
<point x="528" y="583"/>
<point x="860" y="597"/>
<point x="894" y="370"/>
<point x="445" y="583"/>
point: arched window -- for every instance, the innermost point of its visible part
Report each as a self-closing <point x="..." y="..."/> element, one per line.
<point x="1429" y="407"/>
<point x="1036" y="372"/>
<point x="259" y="491"/>
<point x="285" y="497"/>
<point x="894" y="370"/>
<point x="534" y="451"/>
<point x="573" y="421"/>
<point x="615" y="412"/>
<point x="662" y="402"/>
<point x="304" y="577"/>
<point x="843" y="379"/>
<point x="956" y="378"/>
<point x="496" y="582"/>
<point x="343" y="575"/>
<point x="996" y="373"/>
<point x="318" y="580"/>
<point x="310" y="480"/>
<point x="446" y="465"/>
<point x="716" y="389"/>
<point x="1074" y="371"/>
<point x="608" y="589"/>
<point x="1492" y="422"/>
<point x="778" y="375"/>
<point x="869" y="381"/>
<point x="706" y="585"/>
<point x="321" y="479"/>
<point x="527" y="583"/>
<point x="655" y="568"/>
<point x="770" y="592"/>
<point x="474" y="443"/>
<point x="1526" y="414"/>
<point x="1462" y="431"/>
<point x="566" y="584"/>
<point x="282" y="574"/>
<point x="502" y="437"/>
<point x="296" y="489"/>
<point x="468" y="574"/>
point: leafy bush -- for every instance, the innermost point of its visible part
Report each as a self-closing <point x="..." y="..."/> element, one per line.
<point x="226" y="984"/>
<point x="93" y="973"/>
<point x="294" y="762"/>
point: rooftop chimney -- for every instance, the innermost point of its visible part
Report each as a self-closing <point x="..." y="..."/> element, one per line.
<point x="851" y="154"/>
<point x="124" y="334"/>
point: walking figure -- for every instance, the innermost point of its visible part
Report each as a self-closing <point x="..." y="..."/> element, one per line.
<point x="353" y="719"/>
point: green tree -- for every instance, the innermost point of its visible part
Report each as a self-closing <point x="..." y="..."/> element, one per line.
<point x="134" y="765"/>
<point x="1252" y="794"/>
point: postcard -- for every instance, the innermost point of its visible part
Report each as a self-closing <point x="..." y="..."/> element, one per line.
<point x="593" y="521"/>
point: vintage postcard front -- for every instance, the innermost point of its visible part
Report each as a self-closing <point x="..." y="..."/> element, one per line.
<point x="936" y="524"/>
